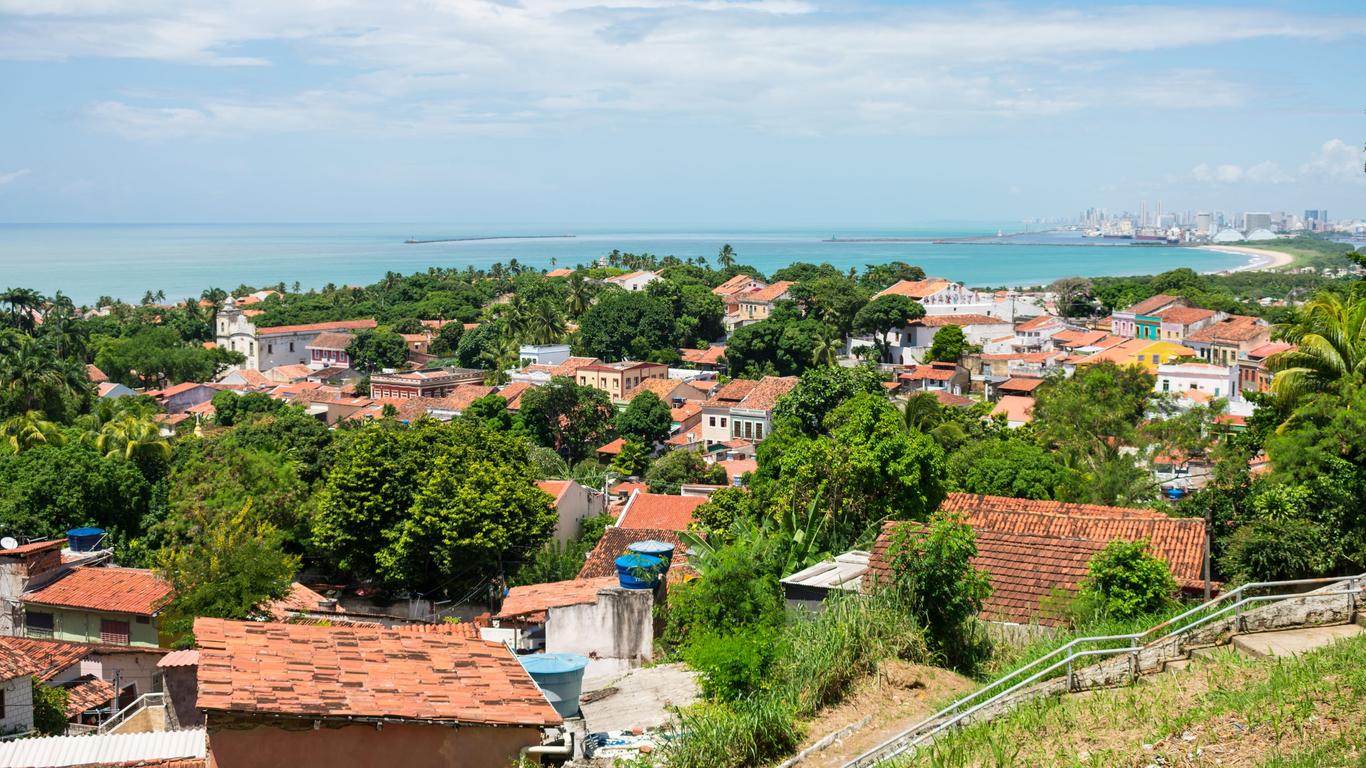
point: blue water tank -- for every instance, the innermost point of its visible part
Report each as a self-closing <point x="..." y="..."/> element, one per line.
<point x="660" y="549"/>
<point x="84" y="539"/>
<point x="560" y="678"/>
<point x="637" y="571"/>
<point x="1176" y="494"/>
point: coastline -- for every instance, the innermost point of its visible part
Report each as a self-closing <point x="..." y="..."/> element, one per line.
<point x="1262" y="260"/>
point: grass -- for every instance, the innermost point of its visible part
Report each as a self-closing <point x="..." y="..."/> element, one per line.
<point x="1309" y="251"/>
<point x="1226" y="710"/>
<point x="818" y="660"/>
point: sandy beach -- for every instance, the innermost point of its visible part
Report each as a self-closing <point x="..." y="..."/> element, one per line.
<point x="1262" y="259"/>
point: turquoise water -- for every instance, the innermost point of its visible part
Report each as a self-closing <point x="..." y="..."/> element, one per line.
<point x="125" y="260"/>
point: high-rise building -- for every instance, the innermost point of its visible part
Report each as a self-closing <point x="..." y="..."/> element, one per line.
<point x="1254" y="221"/>
<point x="1204" y="223"/>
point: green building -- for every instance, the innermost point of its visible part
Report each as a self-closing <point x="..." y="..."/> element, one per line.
<point x="113" y="606"/>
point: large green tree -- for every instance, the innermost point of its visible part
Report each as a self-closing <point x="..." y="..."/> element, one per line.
<point x="372" y="349"/>
<point x="949" y="345"/>
<point x="1329" y="334"/>
<point x="820" y="391"/>
<point x="1010" y="467"/>
<point x="156" y="356"/>
<point x="782" y="345"/>
<point x="627" y="324"/>
<point x="884" y="314"/>
<point x="647" y="419"/>
<point x="572" y="419"/>
<point x="48" y="490"/>
<point x="679" y="467"/>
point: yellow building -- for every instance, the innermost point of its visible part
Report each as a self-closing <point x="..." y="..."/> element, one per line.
<point x="1146" y="353"/>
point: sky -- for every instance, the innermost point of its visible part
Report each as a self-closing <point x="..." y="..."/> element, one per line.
<point x="746" y="113"/>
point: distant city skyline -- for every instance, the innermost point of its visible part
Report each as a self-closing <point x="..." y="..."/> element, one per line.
<point x="675" y="112"/>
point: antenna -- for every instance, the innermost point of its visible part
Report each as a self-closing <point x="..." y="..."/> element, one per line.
<point x="9" y="542"/>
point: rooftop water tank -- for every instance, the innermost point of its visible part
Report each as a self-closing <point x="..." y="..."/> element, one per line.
<point x="660" y="549"/>
<point x="84" y="539"/>
<point x="560" y="678"/>
<point x="637" y="571"/>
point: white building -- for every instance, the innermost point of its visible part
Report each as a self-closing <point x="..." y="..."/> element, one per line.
<point x="268" y="347"/>
<point x="544" y="354"/>
<point x="1212" y="380"/>
<point x="634" y="281"/>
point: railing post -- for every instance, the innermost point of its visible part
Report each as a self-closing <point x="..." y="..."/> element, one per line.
<point x="1070" y="680"/>
<point x="1133" y="659"/>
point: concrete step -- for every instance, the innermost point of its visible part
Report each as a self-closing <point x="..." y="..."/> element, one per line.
<point x="1292" y="642"/>
<point x="1176" y="665"/>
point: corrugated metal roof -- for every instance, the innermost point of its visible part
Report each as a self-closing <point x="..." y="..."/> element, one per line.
<point x="844" y="572"/>
<point x="102" y="748"/>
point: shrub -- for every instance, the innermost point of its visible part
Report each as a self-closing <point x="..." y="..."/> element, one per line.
<point x="1269" y="550"/>
<point x="737" y="590"/>
<point x="1124" y="582"/>
<point x="932" y="569"/>
<point x="731" y="666"/>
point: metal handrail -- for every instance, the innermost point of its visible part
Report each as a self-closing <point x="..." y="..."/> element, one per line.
<point x="137" y="705"/>
<point x="951" y="715"/>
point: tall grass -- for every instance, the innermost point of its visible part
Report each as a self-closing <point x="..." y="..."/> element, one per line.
<point x="819" y="658"/>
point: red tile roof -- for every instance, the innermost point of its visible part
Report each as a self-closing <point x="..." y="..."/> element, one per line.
<point x="1151" y="305"/>
<point x="1015" y="408"/>
<point x="657" y="510"/>
<point x="1178" y="540"/>
<point x="915" y="289"/>
<point x="112" y="590"/>
<point x="561" y="272"/>
<point x="44" y="659"/>
<point x="602" y="560"/>
<point x="299" y="599"/>
<point x="766" y="294"/>
<point x="33" y="546"/>
<point x="765" y="394"/>
<point x="1019" y="385"/>
<point x="735" y="284"/>
<point x="613" y="448"/>
<point x="731" y="393"/>
<point x="928" y="372"/>
<point x="85" y="693"/>
<point x="710" y="356"/>
<point x="1023" y="570"/>
<point x="1073" y="339"/>
<point x="513" y="394"/>
<point x="1036" y="323"/>
<point x="184" y="658"/>
<point x="1232" y="329"/>
<point x="555" y="488"/>
<point x="334" y="325"/>
<point x="1267" y="350"/>
<point x="331" y="340"/>
<point x="948" y="398"/>
<point x="1184" y="315"/>
<point x="95" y="375"/>
<point x="662" y="388"/>
<point x="344" y="672"/>
<point x="736" y="468"/>
<point x="14" y="664"/>
<point x="531" y="601"/>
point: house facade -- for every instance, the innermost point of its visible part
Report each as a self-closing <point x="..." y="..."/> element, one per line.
<point x="428" y="382"/>
<point x="1213" y="380"/>
<point x="114" y="606"/>
<point x="752" y="417"/>
<point x="328" y="350"/>
<point x="1140" y="321"/>
<point x="634" y="281"/>
<point x="1230" y="339"/>
<point x="620" y="380"/>
<point x="755" y="305"/>
<point x="573" y="503"/>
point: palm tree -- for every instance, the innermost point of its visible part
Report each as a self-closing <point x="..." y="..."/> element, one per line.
<point x="517" y="314"/>
<point x="32" y="373"/>
<point x="1330" y="345"/>
<point x="499" y="357"/>
<point x="21" y="307"/>
<point x="545" y="325"/>
<point x="578" y="295"/>
<point x="132" y="437"/>
<point x="826" y="351"/>
<point x="30" y="429"/>
<point x="922" y="412"/>
<point x="726" y="257"/>
<point x="68" y="336"/>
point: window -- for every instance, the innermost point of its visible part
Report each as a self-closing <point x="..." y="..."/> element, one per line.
<point x="113" y="632"/>
<point x="1166" y="385"/>
<point x="749" y="430"/>
<point x="270" y="349"/>
<point x="291" y="346"/>
<point x="711" y="421"/>
<point x="38" y="624"/>
<point x="2" y="703"/>
<point x="735" y="429"/>
<point x="723" y="421"/>
<point x="758" y="431"/>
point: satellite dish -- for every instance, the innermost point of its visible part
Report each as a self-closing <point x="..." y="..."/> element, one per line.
<point x="9" y="542"/>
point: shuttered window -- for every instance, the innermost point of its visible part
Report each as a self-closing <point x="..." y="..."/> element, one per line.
<point x="114" y="632"/>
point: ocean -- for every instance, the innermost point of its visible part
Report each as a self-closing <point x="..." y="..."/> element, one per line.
<point x="86" y="261"/>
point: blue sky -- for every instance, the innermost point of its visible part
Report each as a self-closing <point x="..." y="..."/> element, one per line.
<point x="673" y="112"/>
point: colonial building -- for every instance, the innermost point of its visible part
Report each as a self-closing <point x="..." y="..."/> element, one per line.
<point x="1141" y="321"/>
<point x="743" y="409"/>
<point x="619" y="380"/>
<point x="752" y="306"/>
<point x="634" y="281"/>
<point x="1230" y="339"/>
<point x="265" y="348"/>
<point x="429" y="382"/>
<point x="328" y="350"/>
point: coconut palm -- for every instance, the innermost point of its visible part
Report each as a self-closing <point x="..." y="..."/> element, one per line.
<point x="726" y="258"/>
<point x="132" y="437"/>
<point x="922" y="412"/>
<point x="1330" y="345"/>
<point x="30" y="429"/>
<point x="499" y="357"/>
<point x="578" y="295"/>
<point x="826" y="351"/>
<point x="33" y="374"/>
<point x="545" y="325"/>
<point x="21" y="307"/>
<point x="517" y="316"/>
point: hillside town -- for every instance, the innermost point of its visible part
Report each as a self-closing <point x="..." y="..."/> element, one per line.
<point x="528" y="534"/>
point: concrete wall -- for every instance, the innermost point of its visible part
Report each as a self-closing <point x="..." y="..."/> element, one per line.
<point x="182" y="689"/>
<point x="577" y="503"/>
<point x="18" y="705"/>
<point x="618" y="627"/>
<point x="295" y="744"/>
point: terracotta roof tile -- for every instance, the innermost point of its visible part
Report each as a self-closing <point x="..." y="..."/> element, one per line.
<point x="513" y="393"/>
<point x="948" y="398"/>
<point x="1267" y="350"/>
<point x="1235" y="328"/>
<point x="1019" y="385"/>
<point x="1151" y="305"/>
<point x="613" y="448"/>
<point x="662" y="388"/>
<point x="732" y="392"/>
<point x="767" y="293"/>
<point x="340" y="672"/>
<point x="710" y="356"/>
<point x="601" y="561"/>
<point x="657" y="510"/>
<point x="188" y="657"/>
<point x="44" y="658"/>
<point x="334" y="325"/>
<point x="1184" y="315"/>
<point x="85" y="693"/>
<point x="927" y="373"/>
<point x="915" y="289"/>
<point x="735" y="284"/>
<point x="939" y="321"/>
<point x="331" y="340"/>
<point x="530" y="602"/>
<point x="299" y="599"/>
<point x="1015" y="408"/>
<point x="561" y="272"/>
<point x="95" y="375"/>
<point x="116" y="590"/>
<point x="555" y="488"/>
<point x="33" y="546"/>
<point x="1034" y="324"/>
<point x="766" y="393"/>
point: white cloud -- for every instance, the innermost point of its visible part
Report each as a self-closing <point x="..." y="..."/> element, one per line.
<point x="788" y="66"/>
<point x="1334" y="162"/>
<point x="12" y="176"/>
